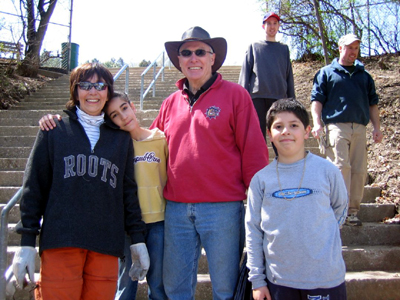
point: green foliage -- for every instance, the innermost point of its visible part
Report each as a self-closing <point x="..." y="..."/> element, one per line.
<point x="144" y="63"/>
<point x="113" y="63"/>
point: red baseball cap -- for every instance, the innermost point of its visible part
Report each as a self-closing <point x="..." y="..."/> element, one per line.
<point x="270" y="14"/>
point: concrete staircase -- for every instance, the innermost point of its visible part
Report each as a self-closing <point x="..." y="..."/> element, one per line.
<point x="371" y="252"/>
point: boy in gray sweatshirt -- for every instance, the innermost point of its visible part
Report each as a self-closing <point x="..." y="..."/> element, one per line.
<point x="295" y="208"/>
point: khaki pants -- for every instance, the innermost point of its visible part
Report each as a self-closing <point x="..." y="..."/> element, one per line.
<point x="347" y="149"/>
<point x="76" y="274"/>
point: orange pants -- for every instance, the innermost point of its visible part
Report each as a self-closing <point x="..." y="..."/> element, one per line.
<point x="76" y="274"/>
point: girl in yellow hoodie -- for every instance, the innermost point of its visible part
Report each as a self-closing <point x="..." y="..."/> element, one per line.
<point x="150" y="165"/>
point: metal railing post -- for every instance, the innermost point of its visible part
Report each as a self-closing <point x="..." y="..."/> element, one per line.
<point x="141" y="91"/>
<point x="163" y="65"/>
<point x="127" y="81"/>
<point x="4" y="241"/>
<point x="116" y="76"/>
<point x="154" y="80"/>
<point x="152" y="85"/>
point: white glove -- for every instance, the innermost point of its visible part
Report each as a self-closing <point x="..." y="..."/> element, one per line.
<point x="24" y="262"/>
<point x="11" y="282"/>
<point x="140" y="261"/>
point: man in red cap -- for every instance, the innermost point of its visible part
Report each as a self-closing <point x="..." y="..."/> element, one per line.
<point x="267" y="70"/>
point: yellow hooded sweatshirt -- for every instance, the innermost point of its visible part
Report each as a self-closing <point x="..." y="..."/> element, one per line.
<point x="150" y="162"/>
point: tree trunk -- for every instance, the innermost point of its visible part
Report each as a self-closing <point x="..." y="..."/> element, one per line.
<point x="321" y="31"/>
<point x="31" y="63"/>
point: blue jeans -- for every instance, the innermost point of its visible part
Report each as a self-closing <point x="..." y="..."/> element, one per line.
<point x="218" y="227"/>
<point x="155" y="246"/>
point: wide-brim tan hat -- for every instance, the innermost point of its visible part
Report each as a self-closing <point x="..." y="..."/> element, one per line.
<point x="197" y="33"/>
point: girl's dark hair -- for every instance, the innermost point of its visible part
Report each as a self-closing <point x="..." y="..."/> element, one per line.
<point x="122" y="96"/>
<point x="288" y="105"/>
<point x="85" y="72"/>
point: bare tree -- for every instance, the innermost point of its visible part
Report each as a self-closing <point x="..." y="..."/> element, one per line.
<point x="37" y="12"/>
<point x="321" y="30"/>
<point x="314" y="26"/>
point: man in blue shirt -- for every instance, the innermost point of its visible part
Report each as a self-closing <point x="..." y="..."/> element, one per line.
<point x="344" y="100"/>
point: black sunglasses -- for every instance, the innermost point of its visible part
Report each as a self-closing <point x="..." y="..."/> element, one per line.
<point x="198" y="52"/>
<point x="87" y="86"/>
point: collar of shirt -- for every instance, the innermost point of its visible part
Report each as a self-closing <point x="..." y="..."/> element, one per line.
<point x="193" y="97"/>
<point x="350" y="69"/>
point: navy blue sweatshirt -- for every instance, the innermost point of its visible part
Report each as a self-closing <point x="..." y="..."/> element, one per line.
<point x="87" y="198"/>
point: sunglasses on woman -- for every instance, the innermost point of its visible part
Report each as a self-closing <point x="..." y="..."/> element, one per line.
<point x="198" y="52"/>
<point x="87" y="86"/>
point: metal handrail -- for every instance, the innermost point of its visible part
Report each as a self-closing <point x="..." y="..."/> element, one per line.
<point x="124" y="67"/>
<point x="4" y="242"/>
<point x="155" y="77"/>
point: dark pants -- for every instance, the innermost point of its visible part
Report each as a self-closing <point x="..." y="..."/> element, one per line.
<point x="279" y="292"/>
<point x="262" y="105"/>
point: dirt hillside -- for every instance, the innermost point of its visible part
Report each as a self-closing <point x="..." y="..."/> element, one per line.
<point x="384" y="158"/>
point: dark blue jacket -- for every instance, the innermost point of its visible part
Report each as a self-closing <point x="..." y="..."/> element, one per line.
<point x="345" y="97"/>
<point x="85" y="197"/>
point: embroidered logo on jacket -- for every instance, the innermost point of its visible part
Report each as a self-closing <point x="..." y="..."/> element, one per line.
<point x="147" y="157"/>
<point x="212" y="112"/>
<point x="92" y="166"/>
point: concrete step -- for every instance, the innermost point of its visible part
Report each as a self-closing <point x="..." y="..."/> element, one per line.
<point x="370" y="212"/>
<point x="372" y="258"/>
<point x="8" y="164"/>
<point x="11" y="178"/>
<point x="370" y="194"/>
<point x="371" y="234"/>
<point x="7" y="192"/>
<point x="26" y="114"/>
<point x="373" y="285"/>
<point x="15" y="152"/>
<point x="19" y="121"/>
<point x="17" y="141"/>
<point x="19" y="130"/>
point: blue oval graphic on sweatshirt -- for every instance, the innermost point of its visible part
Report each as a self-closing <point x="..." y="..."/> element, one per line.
<point x="292" y="193"/>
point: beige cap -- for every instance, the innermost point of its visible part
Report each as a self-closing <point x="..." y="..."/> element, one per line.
<point x="348" y="39"/>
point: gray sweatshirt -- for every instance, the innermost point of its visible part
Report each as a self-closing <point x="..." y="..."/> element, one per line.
<point x="267" y="71"/>
<point x="295" y="242"/>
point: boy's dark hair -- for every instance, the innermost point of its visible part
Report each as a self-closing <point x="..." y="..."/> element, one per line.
<point x="85" y="72"/>
<point x="122" y="96"/>
<point x="288" y="105"/>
